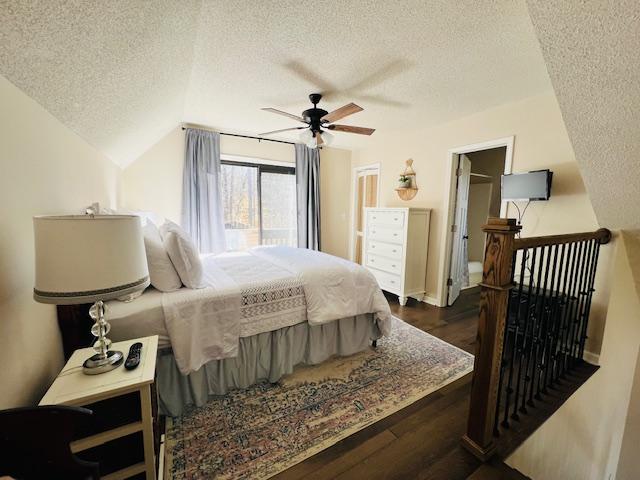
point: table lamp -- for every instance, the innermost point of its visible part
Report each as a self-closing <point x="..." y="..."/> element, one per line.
<point x="90" y="258"/>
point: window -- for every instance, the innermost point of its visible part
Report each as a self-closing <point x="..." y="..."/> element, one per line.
<point x="259" y="204"/>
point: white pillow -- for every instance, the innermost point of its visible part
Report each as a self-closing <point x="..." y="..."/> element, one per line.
<point x="183" y="254"/>
<point x="162" y="273"/>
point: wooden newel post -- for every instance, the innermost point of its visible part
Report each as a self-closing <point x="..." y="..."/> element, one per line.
<point x="494" y="299"/>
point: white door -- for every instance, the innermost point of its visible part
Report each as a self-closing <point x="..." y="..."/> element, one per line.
<point x="458" y="257"/>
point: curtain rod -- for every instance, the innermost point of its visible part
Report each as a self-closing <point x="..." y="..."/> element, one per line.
<point x="260" y="139"/>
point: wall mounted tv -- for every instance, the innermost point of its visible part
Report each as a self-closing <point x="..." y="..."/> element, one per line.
<point x="527" y="187"/>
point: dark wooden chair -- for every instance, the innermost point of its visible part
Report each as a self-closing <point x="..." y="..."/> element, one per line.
<point x="34" y="443"/>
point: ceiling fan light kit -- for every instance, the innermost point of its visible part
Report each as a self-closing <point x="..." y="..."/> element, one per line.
<point x="319" y="122"/>
<point x="407" y="193"/>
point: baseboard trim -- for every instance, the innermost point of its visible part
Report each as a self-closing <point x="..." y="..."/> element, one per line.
<point x="482" y="454"/>
<point x="431" y="301"/>
<point x="592" y="358"/>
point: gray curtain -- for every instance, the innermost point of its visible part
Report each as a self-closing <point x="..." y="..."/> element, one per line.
<point x="308" y="196"/>
<point x="202" y="213"/>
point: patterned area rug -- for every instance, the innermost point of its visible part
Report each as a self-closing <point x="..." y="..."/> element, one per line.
<point x="259" y="432"/>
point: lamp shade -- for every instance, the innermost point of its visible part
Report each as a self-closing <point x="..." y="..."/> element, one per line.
<point x="86" y="258"/>
<point x="327" y="137"/>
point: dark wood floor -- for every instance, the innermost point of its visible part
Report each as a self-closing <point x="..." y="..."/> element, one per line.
<point x="421" y="441"/>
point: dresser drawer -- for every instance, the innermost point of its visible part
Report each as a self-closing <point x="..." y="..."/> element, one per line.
<point x="386" y="218"/>
<point x="387" y="281"/>
<point x="384" y="234"/>
<point x="385" y="264"/>
<point x="385" y="249"/>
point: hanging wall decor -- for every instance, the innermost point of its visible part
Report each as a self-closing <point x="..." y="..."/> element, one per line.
<point x="407" y="186"/>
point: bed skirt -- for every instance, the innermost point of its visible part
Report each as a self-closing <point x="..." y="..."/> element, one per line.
<point x="263" y="357"/>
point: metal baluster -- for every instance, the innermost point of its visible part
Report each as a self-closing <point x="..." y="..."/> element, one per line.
<point x="578" y="306"/>
<point x="592" y="278"/>
<point x="542" y="328"/>
<point x="556" y="314"/>
<point x="514" y="350"/>
<point x="588" y="288"/>
<point x="565" y="311"/>
<point x="573" y="299"/>
<point x="525" y="343"/>
<point x="535" y="327"/>
<point x="503" y="360"/>
<point x="546" y="345"/>
<point x="582" y="300"/>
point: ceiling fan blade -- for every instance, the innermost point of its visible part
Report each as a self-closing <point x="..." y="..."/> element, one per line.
<point x="383" y="74"/>
<point x="283" y="130"/>
<point x="380" y="100"/>
<point x="348" y="109"/>
<point x="351" y="129"/>
<point x="319" y="140"/>
<point x="280" y="112"/>
<point x="305" y="73"/>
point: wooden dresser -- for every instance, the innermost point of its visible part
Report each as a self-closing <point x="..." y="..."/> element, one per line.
<point x="395" y="249"/>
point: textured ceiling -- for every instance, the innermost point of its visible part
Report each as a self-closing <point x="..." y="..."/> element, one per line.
<point x="592" y="51"/>
<point x="115" y="72"/>
<point x="123" y="73"/>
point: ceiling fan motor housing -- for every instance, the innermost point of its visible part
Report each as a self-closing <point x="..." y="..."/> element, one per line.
<point x="313" y="115"/>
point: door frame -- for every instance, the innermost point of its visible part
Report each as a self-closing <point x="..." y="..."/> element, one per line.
<point x="450" y="201"/>
<point x="354" y="202"/>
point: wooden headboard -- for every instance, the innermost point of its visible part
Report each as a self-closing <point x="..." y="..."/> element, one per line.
<point x="75" y="327"/>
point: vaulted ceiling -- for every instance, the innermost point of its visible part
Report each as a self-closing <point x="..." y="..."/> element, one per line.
<point x="592" y="52"/>
<point x="122" y="73"/>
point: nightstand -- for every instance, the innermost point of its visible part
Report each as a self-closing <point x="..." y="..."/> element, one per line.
<point x="121" y="437"/>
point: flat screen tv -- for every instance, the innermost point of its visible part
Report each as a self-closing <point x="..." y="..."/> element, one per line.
<point x="527" y="187"/>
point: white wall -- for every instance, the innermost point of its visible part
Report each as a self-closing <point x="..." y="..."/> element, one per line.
<point x="582" y="440"/>
<point x="629" y="465"/>
<point x="45" y="169"/>
<point x="153" y="182"/>
<point x="541" y="141"/>
<point x="335" y="185"/>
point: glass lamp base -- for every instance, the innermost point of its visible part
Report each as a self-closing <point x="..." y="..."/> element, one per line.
<point x="96" y="365"/>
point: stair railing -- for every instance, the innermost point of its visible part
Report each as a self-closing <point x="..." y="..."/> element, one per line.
<point x="534" y="310"/>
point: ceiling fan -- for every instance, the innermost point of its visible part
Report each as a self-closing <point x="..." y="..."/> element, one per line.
<point x="319" y="122"/>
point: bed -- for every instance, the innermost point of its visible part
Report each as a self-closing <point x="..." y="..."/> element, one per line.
<point x="285" y="307"/>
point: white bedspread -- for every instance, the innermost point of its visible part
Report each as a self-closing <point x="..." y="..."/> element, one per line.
<point x="333" y="287"/>
<point x="204" y="324"/>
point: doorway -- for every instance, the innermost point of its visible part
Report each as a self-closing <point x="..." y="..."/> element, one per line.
<point x="475" y="196"/>
<point x="366" y="182"/>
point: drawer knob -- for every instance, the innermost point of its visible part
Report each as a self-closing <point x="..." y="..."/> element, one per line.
<point x="395" y="234"/>
<point x="395" y="219"/>
<point x="394" y="250"/>
<point x="393" y="266"/>
<point x="373" y="246"/>
<point x="392" y="281"/>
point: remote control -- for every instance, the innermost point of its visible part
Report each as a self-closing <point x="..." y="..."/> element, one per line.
<point x="133" y="359"/>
